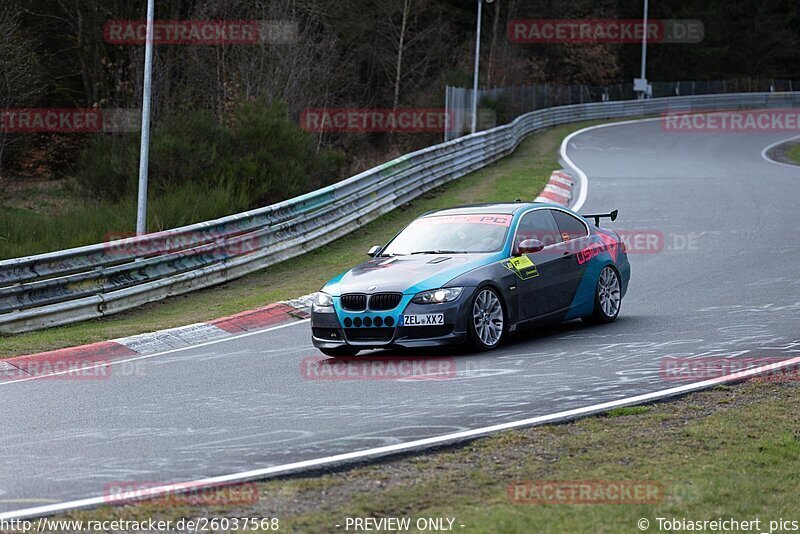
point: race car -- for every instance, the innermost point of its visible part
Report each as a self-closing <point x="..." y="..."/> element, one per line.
<point x="473" y="274"/>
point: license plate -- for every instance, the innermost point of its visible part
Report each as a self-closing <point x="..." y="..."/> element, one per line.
<point x="429" y="319"/>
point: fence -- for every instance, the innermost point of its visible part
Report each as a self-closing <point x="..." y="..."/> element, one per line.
<point x="500" y="105"/>
<point x="93" y="281"/>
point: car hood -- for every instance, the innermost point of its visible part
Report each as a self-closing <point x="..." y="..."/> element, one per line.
<point x="405" y="274"/>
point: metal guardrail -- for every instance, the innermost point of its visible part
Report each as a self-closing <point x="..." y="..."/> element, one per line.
<point x="92" y="281"/>
<point x="513" y="101"/>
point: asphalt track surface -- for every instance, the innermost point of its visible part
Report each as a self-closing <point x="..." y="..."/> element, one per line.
<point x="724" y="283"/>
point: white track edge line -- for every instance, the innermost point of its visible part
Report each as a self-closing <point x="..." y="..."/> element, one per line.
<point x="773" y="145"/>
<point x="400" y="447"/>
<point x="583" y="180"/>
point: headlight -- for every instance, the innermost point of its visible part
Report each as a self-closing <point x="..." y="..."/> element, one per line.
<point x="323" y="303"/>
<point x="437" y="296"/>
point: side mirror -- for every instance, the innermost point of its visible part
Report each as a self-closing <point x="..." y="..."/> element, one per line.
<point x="374" y="251"/>
<point x="529" y="246"/>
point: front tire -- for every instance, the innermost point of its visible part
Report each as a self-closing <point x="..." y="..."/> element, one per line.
<point x="607" y="297"/>
<point x="487" y="321"/>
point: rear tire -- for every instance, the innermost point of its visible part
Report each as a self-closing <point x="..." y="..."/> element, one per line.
<point x="340" y="351"/>
<point x="607" y="297"/>
<point x="486" y="320"/>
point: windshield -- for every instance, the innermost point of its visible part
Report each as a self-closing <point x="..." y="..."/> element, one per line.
<point x="451" y="234"/>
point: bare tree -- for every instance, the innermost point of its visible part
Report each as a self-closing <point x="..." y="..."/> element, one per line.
<point x="299" y="72"/>
<point x="401" y="40"/>
<point x="406" y="32"/>
<point x="20" y="78"/>
<point x="493" y="45"/>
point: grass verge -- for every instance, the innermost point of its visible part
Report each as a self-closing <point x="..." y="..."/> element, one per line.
<point x="519" y="175"/>
<point x="730" y="452"/>
<point x="68" y="220"/>
<point x="794" y="153"/>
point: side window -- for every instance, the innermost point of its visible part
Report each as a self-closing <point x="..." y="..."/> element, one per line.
<point x="568" y="226"/>
<point x="538" y="224"/>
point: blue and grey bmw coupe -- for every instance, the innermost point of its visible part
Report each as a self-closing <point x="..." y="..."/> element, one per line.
<point x="472" y="274"/>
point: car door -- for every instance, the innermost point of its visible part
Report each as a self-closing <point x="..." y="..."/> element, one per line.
<point x="539" y="273"/>
<point x="574" y="237"/>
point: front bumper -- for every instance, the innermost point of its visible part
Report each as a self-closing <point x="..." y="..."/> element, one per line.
<point x="328" y="331"/>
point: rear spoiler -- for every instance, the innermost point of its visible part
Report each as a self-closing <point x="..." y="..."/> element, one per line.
<point x="598" y="216"/>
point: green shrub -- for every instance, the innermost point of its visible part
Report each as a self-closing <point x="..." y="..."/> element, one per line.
<point x="269" y="158"/>
<point x="257" y="155"/>
<point x="184" y="150"/>
<point x="108" y="167"/>
<point x="200" y="169"/>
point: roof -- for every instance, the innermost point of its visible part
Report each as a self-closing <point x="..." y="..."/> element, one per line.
<point x="498" y="207"/>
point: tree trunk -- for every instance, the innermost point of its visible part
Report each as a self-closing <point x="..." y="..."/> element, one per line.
<point x="492" y="47"/>
<point x="400" y="46"/>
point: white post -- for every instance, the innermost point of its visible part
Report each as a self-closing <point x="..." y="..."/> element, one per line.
<point x="141" y="211"/>
<point x="475" y="75"/>
<point x="446" y="112"/>
<point x="644" y="49"/>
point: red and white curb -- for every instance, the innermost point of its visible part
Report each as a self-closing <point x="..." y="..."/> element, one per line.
<point x="91" y="356"/>
<point x="558" y="189"/>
